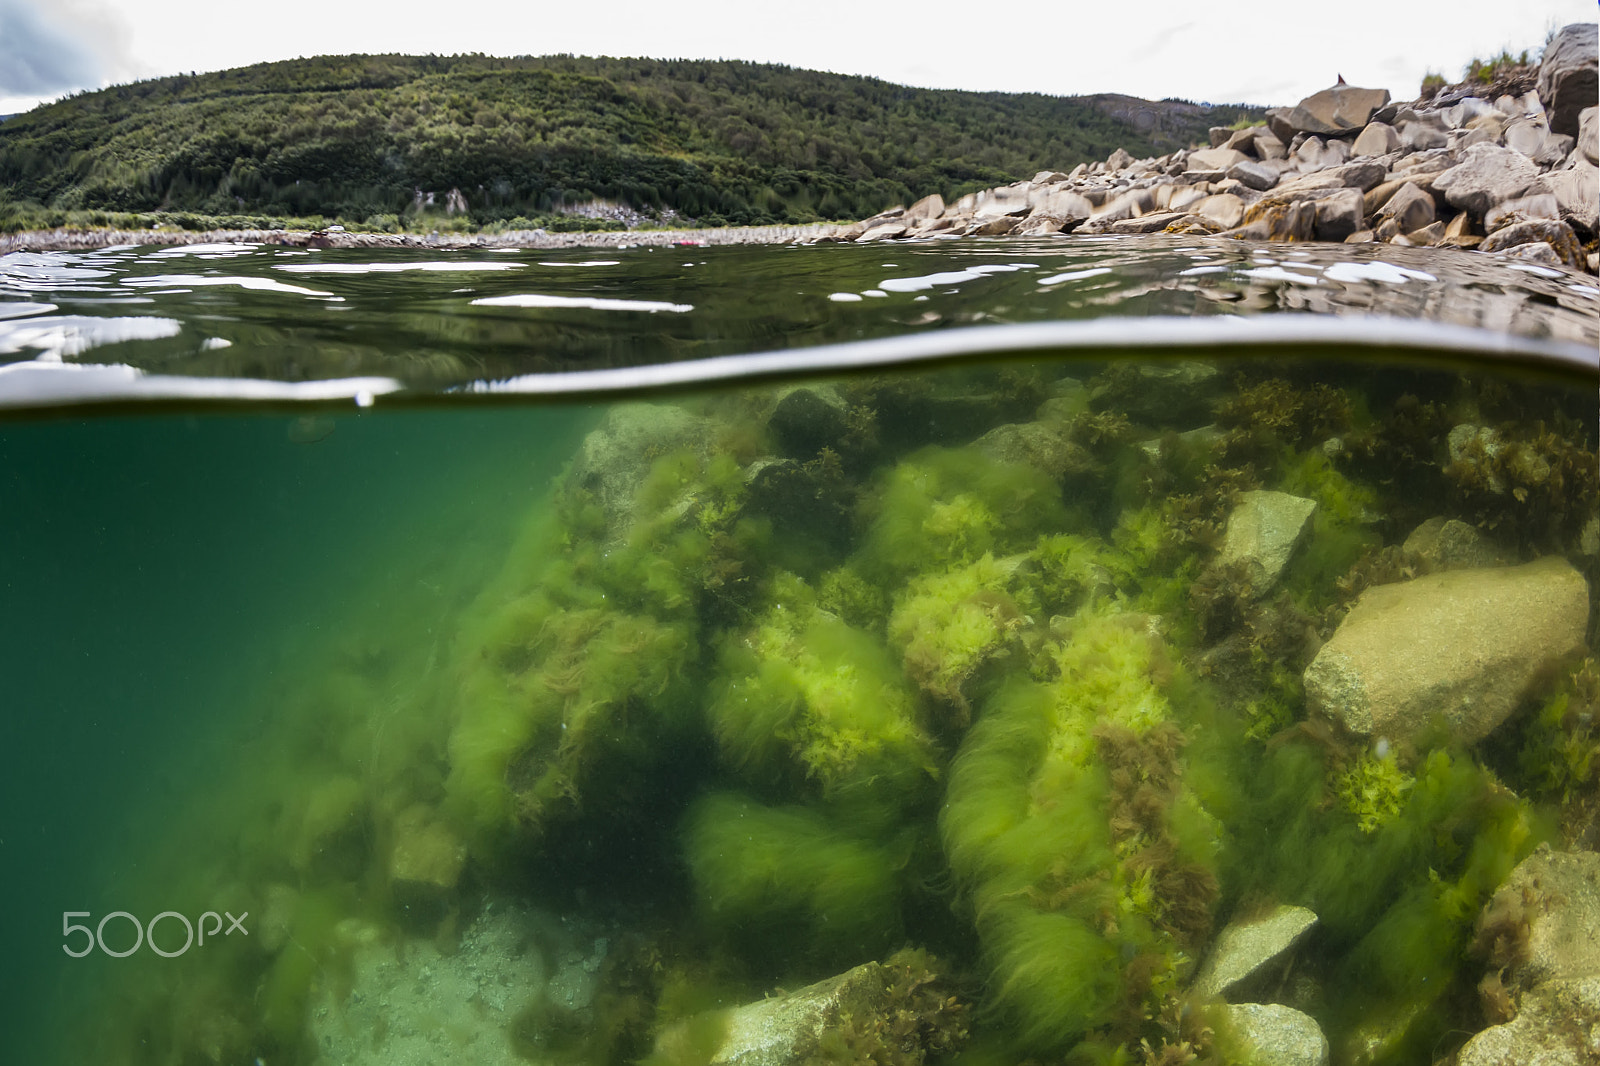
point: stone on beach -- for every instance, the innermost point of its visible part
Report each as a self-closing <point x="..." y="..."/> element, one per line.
<point x="1486" y="176"/>
<point x="1568" y="78"/>
<point x="1461" y="647"/>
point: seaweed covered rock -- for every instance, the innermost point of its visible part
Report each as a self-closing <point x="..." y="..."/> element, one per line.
<point x="790" y="875"/>
<point x="1554" y="1027"/>
<point x="895" y="1013"/>
<point x="1087" y="862"/>
<point x="1461" y="647"/>
<point x="1543" y="924"/>
<point x="807" y="703"/>
<point x="1451" y="544"/>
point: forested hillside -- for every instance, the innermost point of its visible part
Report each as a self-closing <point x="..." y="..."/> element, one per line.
<point x="366" y="139"/>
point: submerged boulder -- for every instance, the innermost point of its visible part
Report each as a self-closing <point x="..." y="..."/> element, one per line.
<point x="1462" y="646"/>
<point x="1280" y="1035"/>
<point x="1262" y="533"/>
<point x="1545" y="920"/>
<point x="1250" y="953"/>
<point x="1554" y="1027"/>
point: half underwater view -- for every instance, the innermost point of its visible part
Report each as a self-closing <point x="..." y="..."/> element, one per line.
<point x="1079" y="650"/>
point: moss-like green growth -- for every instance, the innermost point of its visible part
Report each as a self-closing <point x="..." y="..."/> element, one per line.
<point x="808" y="704"/>
<point x="948" y="625"/>
<point x="786" y="876"/>
<point x="1087" y="863"/>
<point x="944" y="507"/>
<point x="923" y="1019"/>
<point x="1374" y="790"/>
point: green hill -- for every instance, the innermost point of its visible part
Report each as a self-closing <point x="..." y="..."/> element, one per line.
<point x="363" y="139"/>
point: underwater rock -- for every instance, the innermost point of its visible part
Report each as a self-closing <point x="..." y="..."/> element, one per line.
<point x="1039" y="444"/>
<point x="1545" y="920"/>
<point x="1280" y="1035"/>
<point x="426" y="861"/>
<point x="1451" y="544"/>
<point x="786" y="1030"/>
<point x="615" y="458"/>
<point x="1247" y="953"/>
<point x="1555" y="1027"/>
<point x="1168" y="395"/>
<point x="807" y="419"/>
<point x="1462" y="646"/>
<point x="1262" y="533"/>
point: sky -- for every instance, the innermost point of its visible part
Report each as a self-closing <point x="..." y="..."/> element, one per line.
<point x="1218" y="53"/>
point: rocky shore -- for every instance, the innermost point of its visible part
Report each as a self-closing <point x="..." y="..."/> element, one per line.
<point x="1508" y="167"/>
<point x="61" y="240"/>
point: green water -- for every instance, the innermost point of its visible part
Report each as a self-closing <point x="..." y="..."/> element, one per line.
<point x="520" y="748"/>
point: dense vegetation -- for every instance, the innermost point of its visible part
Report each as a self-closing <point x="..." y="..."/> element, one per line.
<point x="366" y="140"/>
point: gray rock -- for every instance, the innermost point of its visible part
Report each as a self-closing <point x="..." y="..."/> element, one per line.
<point x="1557" y="895"/>
<point x="1555" y="1026"/>
<point x="1339" y="214"/>
<point x="1577" y="193"/>
<point x="1262" y="533"/>
<point x="1214" y="159"/>
<point x="931" y="206"/>
<point x="1246" y="952"/>
<point x="1525" y="135"/>
<point x="1540" y="252"/>
<point x="1487" y="175"/>
<point x="784" y="1030"/>
<point x="1462" y="646"/>
<point x="1379" y="138"/>
<point x="1521" y="209"/>
<point x="1569" y="75"/>
<point x="1254" y="175"/>
<point x="1558" y="235"/>
<point x="1069" y="206"/>
<point x="1168" y="395"/>
<point x="807" y="419"/>
<point x="1280" y="1035"/>
<point x="1043" y="445"/>
<point x="1588" y="144"/>
<point x="1336" y="110"/>
<point x="1421" y="137"/>
<point x="1409" y="207"/>
<point x="1451" y="544"/>
<point x="1119" y="159"/>
<point x="1006" y="200"/>
<point x="1049" y="177"/>
<point x="883" y="231"/>
<point x="1224" y="209"/>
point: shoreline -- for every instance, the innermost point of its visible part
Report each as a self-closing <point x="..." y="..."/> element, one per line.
<point x="71" y="240"/>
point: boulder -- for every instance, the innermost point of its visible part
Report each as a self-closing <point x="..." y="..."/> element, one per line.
<point x="1339" y="214"/>
<point x="1251" y="954"/>
<point x="1555" y="1026"/>
<point x="807" y="419"/>
<point x="1379" y="138"/>
<point x="1214" y="159"/>
<point x="1167" y="395"/>
<point x="1262" y="533"/>
<point x="883" y="231"/>
<point x="1006" y="200"/>
<point x="1541" y="252"/>
<point x="1280" y="1035"/>
<point x="1042" y="445"/>
<point x="1525" y="135"/>
<point x="1118" y="160"/>
<point x="1588" y="143"/>
<point x="992" y="227"/>
<point x="783" y="1030"/>
<point x="1064" y="204"/>
<point x="1545" y="920"/>
<point x="1487" y="175"/>
<point x="1338" y="109"/>
<point x="928" y="207"/>
<point x="614" y="459"/>
<point x="1451" y="544"/>
<point x="425" y="863"/>
<point x="1577" y="193"/>
<point x="1224" y="209"/>
<point x="1558" y="235"/>
<point x="1463" y="646"/>
<point x="1569" y="75"/>
<point x="1522" y="209"/>
<point x="1409" y="207"/>
<point x="1253" y="174"/>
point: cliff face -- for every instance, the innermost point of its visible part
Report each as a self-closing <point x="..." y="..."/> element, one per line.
<point x="1167" y="123"/>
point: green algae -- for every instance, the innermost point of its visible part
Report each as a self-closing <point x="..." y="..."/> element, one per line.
<point x="1043" y="731"/>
